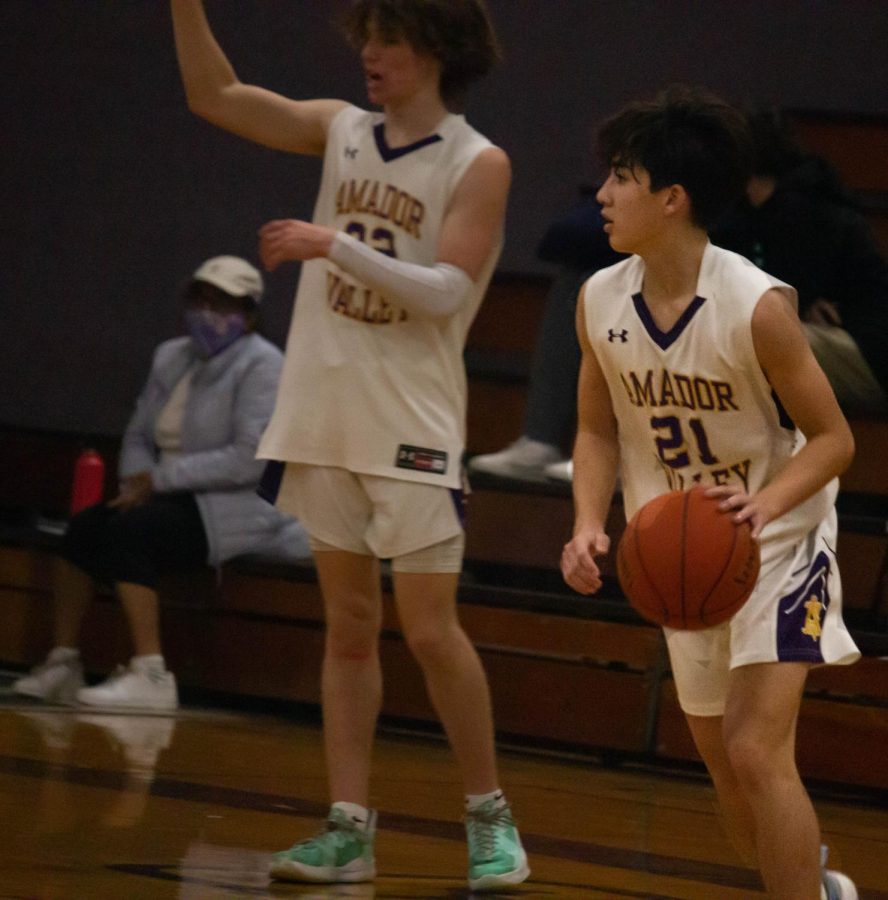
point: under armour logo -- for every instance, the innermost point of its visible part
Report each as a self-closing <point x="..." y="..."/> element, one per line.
<point x="617" y="335"/>
<point x="351" y="152"/>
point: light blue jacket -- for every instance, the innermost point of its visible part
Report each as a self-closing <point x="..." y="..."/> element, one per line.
<point x="230" y="401"/>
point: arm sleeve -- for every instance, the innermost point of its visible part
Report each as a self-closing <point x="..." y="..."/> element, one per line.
<point x="428" y="291"/>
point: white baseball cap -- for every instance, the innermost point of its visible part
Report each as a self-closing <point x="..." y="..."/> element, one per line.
<point x="233" y="275"/>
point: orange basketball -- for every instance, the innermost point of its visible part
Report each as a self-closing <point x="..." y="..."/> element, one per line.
<point x="684" y="563"/>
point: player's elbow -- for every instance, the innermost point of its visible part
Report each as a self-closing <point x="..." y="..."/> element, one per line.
<point x="839" y="447"/>
<point x="203" y="106"/>
<point x="206" y="102"/>
<point x="442" y="306"/>
<point x="845" y="449"/>
<point x="199" y="103"/>
<point x="445" y="291"/>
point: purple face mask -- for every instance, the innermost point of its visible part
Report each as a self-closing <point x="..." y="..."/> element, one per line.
<point x="213" y="331"/>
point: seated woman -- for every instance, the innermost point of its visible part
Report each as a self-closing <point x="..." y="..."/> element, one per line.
<point x="188" y="478"/>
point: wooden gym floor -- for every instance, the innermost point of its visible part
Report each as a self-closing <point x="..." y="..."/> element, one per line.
<point x="123" y="807"/>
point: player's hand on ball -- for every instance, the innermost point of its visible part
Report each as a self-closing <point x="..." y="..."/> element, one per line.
<point x="578" y="564"/>
<point x="684" y="562"/>
<point x="742" y="506"/>
<point x="292" y="240"/>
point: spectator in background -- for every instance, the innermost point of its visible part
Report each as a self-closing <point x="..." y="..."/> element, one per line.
<point x="188" y="478"/>
<point x="576" y="242"/>
<point x="801" y="225"/>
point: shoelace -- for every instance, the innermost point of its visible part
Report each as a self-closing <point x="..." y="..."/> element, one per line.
<point x="341" y="830"/>
<point x="482" y="825"/>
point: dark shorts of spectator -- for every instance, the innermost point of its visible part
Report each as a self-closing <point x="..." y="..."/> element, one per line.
<point x="137" y="545"/>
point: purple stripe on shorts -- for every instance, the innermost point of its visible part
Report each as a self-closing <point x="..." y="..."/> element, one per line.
<point x="801" y="614"/>
<point x="458" y="496"/>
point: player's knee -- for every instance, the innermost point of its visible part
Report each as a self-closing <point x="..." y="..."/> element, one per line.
<point x="353" y="637"/>
<point x="431" y="646"/>
<point x="351" y="647"/>
<point x="751" y="759"/>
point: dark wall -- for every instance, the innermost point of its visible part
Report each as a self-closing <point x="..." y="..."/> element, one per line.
<point x="112" y="192"/>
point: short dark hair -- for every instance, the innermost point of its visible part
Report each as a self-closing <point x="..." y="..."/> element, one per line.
<point x="458" y="33"/>
<point x="688" y="136"/>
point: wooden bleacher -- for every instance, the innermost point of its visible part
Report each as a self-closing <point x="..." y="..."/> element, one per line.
<point x="582" y="674"/>
<point x="566" y="672"/>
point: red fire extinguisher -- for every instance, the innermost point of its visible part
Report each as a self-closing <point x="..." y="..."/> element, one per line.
<point x="89" y="481"/>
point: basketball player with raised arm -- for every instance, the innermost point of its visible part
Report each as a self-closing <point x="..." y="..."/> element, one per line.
<point x="696" y="371"/>
<point x="370" y="415"/>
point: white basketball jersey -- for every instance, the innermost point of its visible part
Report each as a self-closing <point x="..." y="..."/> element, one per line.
<point x="367" y="386"/>
<point x="693" y="405"/>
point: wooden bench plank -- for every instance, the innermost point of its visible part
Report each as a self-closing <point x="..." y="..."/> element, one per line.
<point x="837" y="742"/>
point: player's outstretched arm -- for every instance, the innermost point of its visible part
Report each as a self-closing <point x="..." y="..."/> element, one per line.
<point x="595" y="459"/>
<point x="215" y="93"/>
<point x="786" y="359"/>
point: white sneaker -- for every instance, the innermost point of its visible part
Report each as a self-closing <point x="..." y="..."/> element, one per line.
<point x="137" y="687"/>
<point x="520" y="459"/>
<point x="837" y="886"/>
<point x="142" y="738"/>
<point x="560" y="471"/>
<point x="56" y="680"/>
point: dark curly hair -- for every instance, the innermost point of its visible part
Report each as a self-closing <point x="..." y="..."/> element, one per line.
<point x="458" y="33"/>
<point x="688" y="136"/>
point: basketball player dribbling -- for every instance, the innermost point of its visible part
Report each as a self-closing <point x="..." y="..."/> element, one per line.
<point x="370" y="415"/>
<point x="696" y="371"/>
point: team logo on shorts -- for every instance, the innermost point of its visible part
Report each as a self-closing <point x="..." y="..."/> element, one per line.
<point x="801" y="614"/>
<point x="814" y="610"/>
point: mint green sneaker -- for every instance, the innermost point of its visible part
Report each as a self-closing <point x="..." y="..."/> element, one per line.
<point x="496" y="857"/>
<point x="342" y="853"/>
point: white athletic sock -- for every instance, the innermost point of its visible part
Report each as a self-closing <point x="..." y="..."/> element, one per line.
<point x="473" y="801"/>
<point x="63" y="654"/>
<point x="151" y="662"/>
<point x="355" y="812"/>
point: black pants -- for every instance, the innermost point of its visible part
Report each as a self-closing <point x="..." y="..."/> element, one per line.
<point x="551" y="412"/>
<point x="137" y="545"/>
